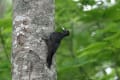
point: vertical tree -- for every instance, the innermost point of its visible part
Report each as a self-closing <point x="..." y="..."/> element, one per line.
<point x="32" y="20"/>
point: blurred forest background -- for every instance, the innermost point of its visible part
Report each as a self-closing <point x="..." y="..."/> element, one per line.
<point x="91" y="52"/>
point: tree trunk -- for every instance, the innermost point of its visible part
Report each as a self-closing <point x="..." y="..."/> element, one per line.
<point x="32" y="20"/>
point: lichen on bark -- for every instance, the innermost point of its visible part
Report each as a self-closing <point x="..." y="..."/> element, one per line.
<point x="32" y="20"/>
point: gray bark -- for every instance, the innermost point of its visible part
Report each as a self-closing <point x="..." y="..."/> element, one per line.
<point x="32" y="20"/>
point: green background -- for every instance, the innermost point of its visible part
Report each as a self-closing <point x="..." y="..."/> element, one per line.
<point x="91" y="52"/>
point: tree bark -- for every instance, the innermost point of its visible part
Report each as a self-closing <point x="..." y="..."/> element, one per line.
<point x="32" y="20"/>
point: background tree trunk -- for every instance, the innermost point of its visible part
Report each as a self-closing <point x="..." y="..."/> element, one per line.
<point x="32" y="20"/>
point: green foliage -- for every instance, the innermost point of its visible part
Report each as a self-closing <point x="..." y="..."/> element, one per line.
<point x="5" y="48"/>
<point x="94" y="43"/>
<point x="5" y="43"/>
<point x="92" y="47"/>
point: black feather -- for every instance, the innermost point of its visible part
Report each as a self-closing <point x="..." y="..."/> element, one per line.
<point x="53" y="43"/>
